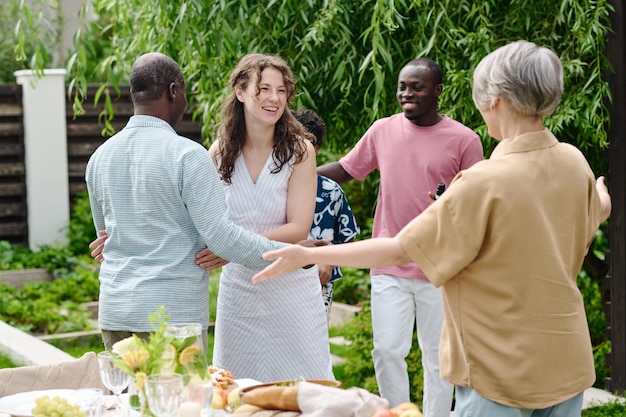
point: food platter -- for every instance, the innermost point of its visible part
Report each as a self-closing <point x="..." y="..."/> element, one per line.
<point x="19" y="405"/>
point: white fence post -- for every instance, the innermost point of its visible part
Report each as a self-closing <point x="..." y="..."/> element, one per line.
<point x="45" y="149"/>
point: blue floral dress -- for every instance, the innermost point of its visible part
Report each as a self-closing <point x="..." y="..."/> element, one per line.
<point x="333" y="220"/>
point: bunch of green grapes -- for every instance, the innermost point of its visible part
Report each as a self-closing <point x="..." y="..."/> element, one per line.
<point x="56" y="406"/>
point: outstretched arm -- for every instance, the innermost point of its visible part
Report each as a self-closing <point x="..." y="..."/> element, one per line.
<point x="300" y="208"/>
<point x="363" y="254"/>
<point x="334" y="171"/>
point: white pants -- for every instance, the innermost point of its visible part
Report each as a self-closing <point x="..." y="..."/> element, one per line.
<point x="397" y="305"/>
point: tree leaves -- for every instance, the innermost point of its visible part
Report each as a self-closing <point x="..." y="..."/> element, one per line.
<point x="347" y="53"/>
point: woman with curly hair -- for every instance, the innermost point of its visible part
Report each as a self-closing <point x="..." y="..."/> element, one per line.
<point x="277" y="330"/>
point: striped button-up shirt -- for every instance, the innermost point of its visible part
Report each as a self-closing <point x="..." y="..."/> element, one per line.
<point x="160" y="199"/>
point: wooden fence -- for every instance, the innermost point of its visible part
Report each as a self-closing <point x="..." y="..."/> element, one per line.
<point x="13" y="213"/>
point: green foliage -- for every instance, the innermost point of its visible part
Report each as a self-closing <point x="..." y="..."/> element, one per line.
<point x="591" y="289"/>
<point x="603" y="369"/>
<point x="359" y="368"/>
<point x="593" y="307"/>
<point x="29" y="32"/>
<point x="78" y="346"/>
<point x="81" y="230"/>
<point x="353" y="288"/>
<point x="49" y="308"/>
<point x="353" y="82"/>
<point x="614" y="408"/>
<point x="6" y="362"/>
<point x="53" y="259"/>
<point x="214" y="285"/>
<point x="13" y="257"/>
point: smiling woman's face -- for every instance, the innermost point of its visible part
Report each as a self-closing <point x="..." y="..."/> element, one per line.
<point x="269" y="101"/>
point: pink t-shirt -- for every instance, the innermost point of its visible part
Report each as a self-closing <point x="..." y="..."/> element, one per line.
<point x="412" y="160"/>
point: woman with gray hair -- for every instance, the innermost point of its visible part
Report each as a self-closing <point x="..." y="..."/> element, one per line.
<point x="505" y="243"/>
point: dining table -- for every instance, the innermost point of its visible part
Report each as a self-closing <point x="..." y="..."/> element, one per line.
<point x="314" y="400"/>
<point x="21" y="404"/>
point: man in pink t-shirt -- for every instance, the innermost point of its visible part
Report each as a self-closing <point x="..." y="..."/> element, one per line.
<point x="414" y="151"/>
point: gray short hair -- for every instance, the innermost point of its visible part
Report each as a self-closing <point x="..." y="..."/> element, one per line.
<point x="528" y="75"/>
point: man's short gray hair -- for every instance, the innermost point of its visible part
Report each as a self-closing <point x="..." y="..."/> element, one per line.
<point x="528" y="75"/>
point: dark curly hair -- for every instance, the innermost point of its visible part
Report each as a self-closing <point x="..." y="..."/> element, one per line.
<point x="289" y="135"/>
<point x="313" y="123"/>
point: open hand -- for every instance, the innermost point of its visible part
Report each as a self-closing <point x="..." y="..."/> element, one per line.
<point x="289" y="259"/>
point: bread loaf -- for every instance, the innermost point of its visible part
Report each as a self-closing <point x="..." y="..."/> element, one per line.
<point x="273" y="398"/>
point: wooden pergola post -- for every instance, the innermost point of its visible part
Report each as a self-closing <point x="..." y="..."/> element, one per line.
<point x="616" y="308"/>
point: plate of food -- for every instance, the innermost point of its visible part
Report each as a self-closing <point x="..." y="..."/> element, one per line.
<point x="279" y="395"/>
<point x="20" y="405"/>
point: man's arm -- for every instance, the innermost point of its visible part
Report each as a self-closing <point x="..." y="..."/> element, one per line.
<point x="334" y="171"/>
<point x="203" y="194"/>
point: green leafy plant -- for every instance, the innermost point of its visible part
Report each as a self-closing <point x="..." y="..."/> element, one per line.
<point x="53" y="259"/>
<point x="353" y="83"/>
<point x="358" y="370"/>
<point x="48" y="308"/>
<point x="81" y="230"/>
<point x="161" y="353"/>
<point x="36" y="29"/>
<point x="353" y="288"/>
<point x="6" y="362"/>
<point x="616" y="408"/>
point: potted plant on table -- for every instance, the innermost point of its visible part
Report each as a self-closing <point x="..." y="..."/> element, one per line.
<point x="162" y="354"/>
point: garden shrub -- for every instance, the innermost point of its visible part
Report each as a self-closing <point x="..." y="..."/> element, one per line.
<point x="51" y="307"/>
<point x="353" y="288"/>
<point x="81" y="230"/>
<point x="359" y="368"/>
<point x="611" y="409"/>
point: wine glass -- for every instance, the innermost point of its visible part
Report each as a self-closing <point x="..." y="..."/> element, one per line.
<point x="163" y="394"/>
<point x="113" y="378"/>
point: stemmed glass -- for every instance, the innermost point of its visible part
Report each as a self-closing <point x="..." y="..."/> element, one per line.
<point x="113" y="378"/>
<point x="163" y="394"/>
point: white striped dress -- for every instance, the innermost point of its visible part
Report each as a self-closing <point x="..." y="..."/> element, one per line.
<point x="277" y="329"/>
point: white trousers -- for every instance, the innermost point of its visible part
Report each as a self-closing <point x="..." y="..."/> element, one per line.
<point x="398" y="304"/>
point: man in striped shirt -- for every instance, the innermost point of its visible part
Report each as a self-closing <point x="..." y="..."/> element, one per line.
<point x="160" y="200"/>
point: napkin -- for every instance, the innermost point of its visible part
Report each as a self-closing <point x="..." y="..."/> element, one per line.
<point x="321" y="401"/>
<point x="74" y="374"/>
